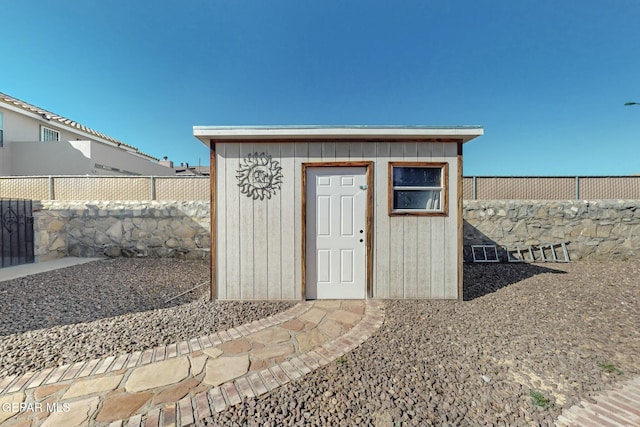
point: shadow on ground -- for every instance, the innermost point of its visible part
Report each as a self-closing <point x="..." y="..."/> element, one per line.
<point x="485" y="278"/>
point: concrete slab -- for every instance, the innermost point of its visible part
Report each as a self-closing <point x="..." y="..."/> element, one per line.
<point x="17" y="271"/>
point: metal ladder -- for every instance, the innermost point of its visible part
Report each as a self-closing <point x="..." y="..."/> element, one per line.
<point x="485" y="253"/>
<point x="557" y="253"/>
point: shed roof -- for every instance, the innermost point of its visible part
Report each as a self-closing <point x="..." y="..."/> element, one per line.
<point x="347" y="132"/>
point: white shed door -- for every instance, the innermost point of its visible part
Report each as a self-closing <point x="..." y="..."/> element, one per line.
<point x="336" y="233"/>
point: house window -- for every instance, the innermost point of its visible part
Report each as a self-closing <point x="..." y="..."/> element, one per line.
<point x="1" y="130"/>
<point x="418" y="188"/>
<point x="47" y="134"/>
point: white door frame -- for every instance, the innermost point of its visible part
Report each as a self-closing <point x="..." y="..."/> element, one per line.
<point x="368" y="165"/>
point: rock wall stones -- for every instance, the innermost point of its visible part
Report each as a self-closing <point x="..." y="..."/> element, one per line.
<point x="597" y="230"/>
<point x="122" y="228"/>
<point x="600" y="230"/>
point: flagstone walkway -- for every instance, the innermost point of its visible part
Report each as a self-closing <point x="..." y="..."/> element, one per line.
<point x="178" y="384"/>
<point x="619" y="407"/>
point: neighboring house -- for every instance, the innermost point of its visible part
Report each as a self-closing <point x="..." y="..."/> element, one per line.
<point x="34" y="141"/>
<point x="186" y="170"/>
<point x="336" y="212"/>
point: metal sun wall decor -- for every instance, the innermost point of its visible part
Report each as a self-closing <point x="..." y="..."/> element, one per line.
<point x="259" y="176"/>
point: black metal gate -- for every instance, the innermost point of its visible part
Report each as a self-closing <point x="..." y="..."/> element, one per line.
<point x="16" y="232"/>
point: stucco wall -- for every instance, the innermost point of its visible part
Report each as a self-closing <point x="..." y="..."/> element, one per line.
<point x="74" y="158"/>
<point x="114" y="157"/>
<point x="76" y="152"/>
<point x="596" y="230"/>
<point x="49" y="158"/>
<point x="26" y="127"/>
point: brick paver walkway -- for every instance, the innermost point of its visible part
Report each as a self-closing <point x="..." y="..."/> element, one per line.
<point x="177" y="384"/>
<point x="614" y="408"/>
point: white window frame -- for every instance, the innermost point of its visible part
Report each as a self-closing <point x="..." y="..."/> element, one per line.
<point x="46" y="134"/>
<point x="443" y="189"/>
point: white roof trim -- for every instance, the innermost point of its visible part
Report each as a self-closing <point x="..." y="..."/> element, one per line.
<point x="206" y="133"/>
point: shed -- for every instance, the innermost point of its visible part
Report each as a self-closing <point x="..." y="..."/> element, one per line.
<point x="336" y="212"/>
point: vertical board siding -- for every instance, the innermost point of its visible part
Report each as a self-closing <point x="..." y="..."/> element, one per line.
<point x="380" y="153"/>
<point x="396" y="237"/>
<point x="247" y="242"/>
<point x="220" y="233"/>
<point x="355" y="151"/>
<point x="421" y="261"/>
<point x="231" y="194"/>
<point x="424" y="240"/>
<point x="289" y="243"/>
<point x="410" y="229"/>
<point x="259" y="241"/>
<point x="438" y="238"/>
<point x="342" y="152"/>
<point x="328" y="151"/>
<point x="273" y="235"/>
<point x="315" y="152"/>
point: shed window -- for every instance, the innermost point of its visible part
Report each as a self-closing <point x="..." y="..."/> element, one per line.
<point x="417" y="188"/>
<point x="47" y="134"/>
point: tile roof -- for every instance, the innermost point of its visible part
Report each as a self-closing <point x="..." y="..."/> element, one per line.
<point x="48" y="115"/>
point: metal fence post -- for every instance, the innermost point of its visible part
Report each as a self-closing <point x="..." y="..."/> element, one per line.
<point x="577" y="188"/>
<point x="153" y="187"/>
<point x="51" y="193"/>
<point x="475" y="187"/>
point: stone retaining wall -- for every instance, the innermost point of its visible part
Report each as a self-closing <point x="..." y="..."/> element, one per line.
<point x="602" y="230"/>
<point x="597" y="230"/>
<point x="122" y="228"/>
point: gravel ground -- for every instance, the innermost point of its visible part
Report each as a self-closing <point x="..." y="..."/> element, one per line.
<point x="110" y="307"/>
<point x="524" y="328"/>
<point x="566" y="331"/>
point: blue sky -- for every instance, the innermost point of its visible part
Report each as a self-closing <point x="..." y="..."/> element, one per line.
<point x="546" y="79"/>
